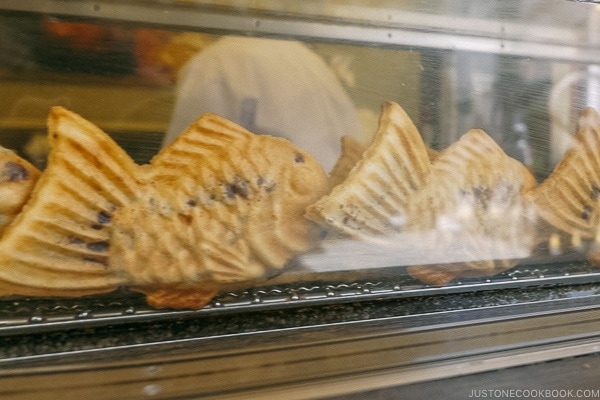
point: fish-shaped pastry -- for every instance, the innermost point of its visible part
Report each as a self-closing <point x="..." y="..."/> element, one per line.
<point x="462" y="210"/>
<point x="373" y="197"/>
<point x="230" y="208"/>
<point x="568" y="201"/>
<point x="219" y="206"/>
<point x="473" y="210"/>
<point x="17" y="178"/>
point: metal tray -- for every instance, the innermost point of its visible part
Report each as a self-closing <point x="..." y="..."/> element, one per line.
<point x="34" y="315"/>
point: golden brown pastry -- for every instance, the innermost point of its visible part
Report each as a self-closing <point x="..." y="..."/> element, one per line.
<point x="352" y="151"/>
<point x="569" y="198"/>
<point x="464" y="212"/>
<point x="58" y="245"/>
<point x="474" y="211"/>
<point x="568" y="201"/>
<point x="373" y="198"/>
<point x="229" y="209"/>
<point x="218" y="206"/>
<point x="17" y="179"/>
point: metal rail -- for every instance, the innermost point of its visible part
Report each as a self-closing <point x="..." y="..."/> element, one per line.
<point x="371" y="26"/>
<point x="34" y="315"/>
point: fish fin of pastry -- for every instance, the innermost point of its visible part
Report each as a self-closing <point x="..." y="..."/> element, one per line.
<point x="373" y="198"/>
<point x="17" y="179"/>
<point x="180" y="297"/>
<point x="59" y="243"/>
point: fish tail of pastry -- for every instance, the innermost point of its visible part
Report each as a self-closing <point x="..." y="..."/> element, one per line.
<point x="59" y="244"/>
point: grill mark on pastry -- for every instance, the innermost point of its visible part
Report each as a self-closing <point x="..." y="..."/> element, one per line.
<point x="69" y="234"/>
<point x="36" y="279"/>
<point x="58" y="257"/>
<point x="64" y="214"/>
<point x="404" y="192"/>
<point x="212" y="138"/>
<point x="224" y="128"/>
<point x="111" y="155"/>
<point x="379" y="198"/>
<point x="595" y="162"/>
<point x="90" y="203"/>
<point x="195" y="147"/>
<point x="406" y="143"/>
<point x="401" y="184"/>
<point x="102" y="261"/>
<point x="51" y="258"/>
<point x="583" y="177"/>
<point x="221" y="227"/>
<point x="575" y="196"/>
<point x="574" y="184"/>
<point x="229" y="263"/>
<point x="367" y="215"/>
<point x="100" y="189"/>
<point x="111" y="177"/>
<point x="396" y="163"/>
<point x="169" y="167"/>
<point x="592" y="166"/>
<point x="566" y="217"/>
<point x="220" y="261"/>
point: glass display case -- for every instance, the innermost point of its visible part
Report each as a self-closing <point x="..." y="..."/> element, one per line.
<point x="452" y="230"/>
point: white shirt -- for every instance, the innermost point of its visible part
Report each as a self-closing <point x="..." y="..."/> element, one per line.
<point x="275" y="87"/>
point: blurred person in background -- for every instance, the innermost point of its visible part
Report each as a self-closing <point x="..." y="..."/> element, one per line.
<point x="276" y="87"/>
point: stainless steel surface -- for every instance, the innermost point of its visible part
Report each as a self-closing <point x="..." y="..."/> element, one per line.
<point x="329" y="340"/>
<point x="23" y="316"/>
<point x="315" y="361"/>
<point x="579" y="379"/>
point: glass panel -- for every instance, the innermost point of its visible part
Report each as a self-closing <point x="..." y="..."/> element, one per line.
<point x="521" y="71"/>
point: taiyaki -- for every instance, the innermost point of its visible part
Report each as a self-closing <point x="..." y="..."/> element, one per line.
<point x="373" y="198"/>
<point x="17" y="179"/>
<point x="569" y="198"/>
<point x="58" y="245"/>
<point x="463" y="207"/>
<point x="220" y="205"/>
<point x="568" y="201"/>
<point x="230" y="209"/>
<point x="474" y="211"/>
